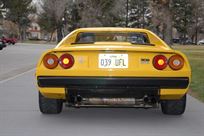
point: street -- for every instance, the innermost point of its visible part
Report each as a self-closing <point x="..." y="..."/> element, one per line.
<point x="20" y="116"/>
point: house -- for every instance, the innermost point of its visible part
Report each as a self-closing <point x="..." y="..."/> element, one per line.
<point x="34" y="31"/>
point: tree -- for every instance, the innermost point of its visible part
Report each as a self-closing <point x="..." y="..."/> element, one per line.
<point x="182" y="16"/>
<point x="47" y="24"/>
<point x="99" y="12"/>
<point x="2" y="7"/>
<point x="72" y="17"/>
<point x="10" y="29"/>
<point x="139" y="14"/>
<point x="197" y="25"/>
<point x="52" y="16"/>
<point x="162" y="18"/>
<point x="18" y="11"/>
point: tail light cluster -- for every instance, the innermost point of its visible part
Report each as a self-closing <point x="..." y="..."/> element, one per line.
<point x="66" y="61"/>
<point x="175" y="62"/>
<point x="51" y="61"/>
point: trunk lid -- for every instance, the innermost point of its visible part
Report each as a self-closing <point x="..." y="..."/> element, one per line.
<point x="116" y="46"/>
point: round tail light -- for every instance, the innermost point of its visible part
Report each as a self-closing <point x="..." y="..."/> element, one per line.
<point x="176" y="62"/>
<point x="66" y="61"/>
<point x="160" y="62"/>
<point x="50" y="61"/>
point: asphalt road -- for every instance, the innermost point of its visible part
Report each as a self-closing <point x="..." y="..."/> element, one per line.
<point x="19" y="58"/>
<point x="20" y="116"/>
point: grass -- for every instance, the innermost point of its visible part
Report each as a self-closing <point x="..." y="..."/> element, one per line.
<point x="195" y="55"/>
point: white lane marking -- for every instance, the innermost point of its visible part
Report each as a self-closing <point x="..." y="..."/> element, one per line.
<point x="18" y="75"/>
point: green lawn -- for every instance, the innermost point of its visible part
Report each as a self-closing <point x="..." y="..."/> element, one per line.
<point x="195" y="55"/>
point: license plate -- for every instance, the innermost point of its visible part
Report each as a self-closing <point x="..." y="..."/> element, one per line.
<point x="113" y="61"/>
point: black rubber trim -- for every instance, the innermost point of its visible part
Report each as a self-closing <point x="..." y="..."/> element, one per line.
<point x="113" y="82"/>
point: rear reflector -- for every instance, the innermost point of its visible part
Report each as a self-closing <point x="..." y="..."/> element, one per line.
<point x="176" y="62"/>
<point x="66" y="61"/>
<point x="50" y="61"/>
<point x="160" y="62"/>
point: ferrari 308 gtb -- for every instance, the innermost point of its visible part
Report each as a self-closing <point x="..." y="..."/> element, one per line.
<point x="113" y="67"/>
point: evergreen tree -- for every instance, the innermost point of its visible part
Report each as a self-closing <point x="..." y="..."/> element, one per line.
<point x="47" y="23"/>
<point x="18" y="12"/>
<point x="139" y="13"/>
<point x="182" y="16"/>
<point x="72" y="17"/>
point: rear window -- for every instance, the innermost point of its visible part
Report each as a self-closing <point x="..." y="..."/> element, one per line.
<point x="132" y="37"/>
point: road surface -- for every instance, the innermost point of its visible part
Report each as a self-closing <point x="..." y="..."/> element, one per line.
<point x="20" y="116"/>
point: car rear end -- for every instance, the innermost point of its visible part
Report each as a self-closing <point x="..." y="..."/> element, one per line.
<point x="117" y="74"/>
<point x="139" y="74"/>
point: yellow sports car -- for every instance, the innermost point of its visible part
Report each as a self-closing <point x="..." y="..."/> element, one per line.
<point x="113" y="67"/>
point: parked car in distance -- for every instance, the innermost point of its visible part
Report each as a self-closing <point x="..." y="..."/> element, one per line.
<point x="113" y="67"/>
<point x="176" y="40"/>
<point x="2" y="45"/>
<point x="201" y="42"/>
<point x="9" y="40"/>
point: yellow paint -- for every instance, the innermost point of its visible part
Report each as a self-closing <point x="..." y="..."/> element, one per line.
<point x="55" y="93"/>
<point x="172" y="93"/>
<point x="86" y="60"/>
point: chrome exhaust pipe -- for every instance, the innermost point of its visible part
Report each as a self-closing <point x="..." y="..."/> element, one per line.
<point x="131" y="102"/>
<point x="109" y="101"/>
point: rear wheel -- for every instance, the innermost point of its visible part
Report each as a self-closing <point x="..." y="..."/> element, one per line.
<point x="174" y="107"/>
<point x="50" y="106"/>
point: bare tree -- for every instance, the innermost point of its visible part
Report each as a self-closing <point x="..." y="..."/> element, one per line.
<point x="198" y="20"/>
<point x="18" y="11"/>
<point x="100" y="12"/>
<point x="53" y="11"/>
<point x="10" y="28"/>
<point x="162" y="17"/>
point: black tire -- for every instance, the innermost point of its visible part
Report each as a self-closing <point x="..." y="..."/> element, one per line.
<point x="50" y="106"/>
<point x="174" y="107"/>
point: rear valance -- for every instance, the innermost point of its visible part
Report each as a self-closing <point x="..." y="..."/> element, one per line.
<point x="112" y="82"/>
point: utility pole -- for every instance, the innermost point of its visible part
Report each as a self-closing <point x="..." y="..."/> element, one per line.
<point x="127" y="8"/>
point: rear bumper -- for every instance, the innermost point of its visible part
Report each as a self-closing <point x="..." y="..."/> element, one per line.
<point x="114" y="82"/>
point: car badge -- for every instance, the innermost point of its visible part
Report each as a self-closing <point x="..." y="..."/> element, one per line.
<point x="144" y="61"/>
